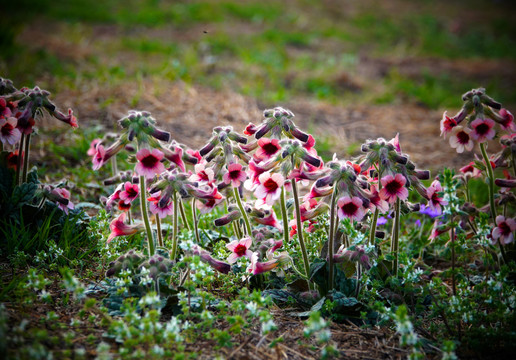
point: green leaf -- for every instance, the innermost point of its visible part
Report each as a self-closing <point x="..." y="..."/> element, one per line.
<point x="23" y="194"/>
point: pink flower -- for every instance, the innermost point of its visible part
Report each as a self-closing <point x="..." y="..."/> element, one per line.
<point x="130" y="192"/>
<point x="158" y="206"/>
<point x="434" y="201"/>
<point x="149" y="163"/>
<point x="202" y="174"/>
<point x="70" y="119"/>
<point x="207" y="205"/>
<point x="447" y="124"/>
<point x="8" y="132"/>
<point x="66" y="195"/>
<point x="507" y="120"/>
<point x="239" y="248"/>
<point x="393" y="187"/>
<point x="269" y="188"/>
<point x="460" y="139"/>
<point x="503" y="231"/>
<point x="350" y="208"/>
<point x="257" y="267"/>
<point x="235" y="175"/>
<point x="470" y="169"/>
<point x="98" y="157"/>
<point x="483" y="129"/>
<point x="120" y="228"/>
<point x="395" y="141"/>
<point x="376" y="202"/>
<point x="93" y="147"/>
<point x="270" y="219"/>
<point x="267" y="149"/>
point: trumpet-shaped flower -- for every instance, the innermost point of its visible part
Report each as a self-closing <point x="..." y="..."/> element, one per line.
<point x="507" y="120"/>
<point x="434" y="200"/>
<point x="8" y="132"/>
<point x="66" y="195"/>
<point x="149" y="163"/>
<point x="130" y="192"/>
<point x="120" y="228"/>
<point x="239" y="248"/>
<point x="202" y="174"/>
<point x="269" y="188"/>
<point x="235" y="175"/>
<point x="98" y="157"/>
<point x="350" y="207"/>
<point x="503" y="232"/>
<point x="267" y="149"/>
<point x="483" y="129"/>
<point x="159" y="207"/>
<point x="447" y="124"/>
<point x="461" y="139"/>
<point x="393" y="187"/>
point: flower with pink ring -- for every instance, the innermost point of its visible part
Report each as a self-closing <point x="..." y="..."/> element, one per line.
<point x="202" y="174"/>
<point x="350" y="207"/>
<point x="434" y="200"/>
<point x="93" y="147"/>
<point x="269" y="188"/>
<point x="256" y="267"/>
<point x="8" y="132"/>
<point x="376" y="202"/>
<point x="507" y="122"/>
<point x="267" y="149"/>
<point x="483" y="129"/>
<point x="239" y="248"/>
<point x="447" y="124"/>
<point x="130" y="192"/>
<point x="98" y="157"/>
<point x="235" y="175"/>
<point x="120" y="228"/>
<point x="460" y="139"/>
<point x="393" y="187"/>
<point x="66" y="195"/>
<point x="149" y="163"/>
<point x="159" y="206"/>
<point x="503" y="232"/>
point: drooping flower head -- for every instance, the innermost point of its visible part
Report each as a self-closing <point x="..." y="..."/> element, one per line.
<point x="9" y="134"/>
<point x="503" y="232"/>
<point x="269" y="188"/>
<point x="483" y="129"/>
<point x="93" y="147"/>
<point x="130" y="192"/>
<point x="461" y="139"/>
<point x="160" y="206"/>
<point x="350" y="207"/>
<point x="507" y="118"/>
<point x="120" y="228"/>
<point x="447" y="124"/>
<point x="65" y="194"/>
<point x="239" y="248"/>
<point x="149" y="163"/>
<point x="434" y="200"/>
<point x="393" y="187"/>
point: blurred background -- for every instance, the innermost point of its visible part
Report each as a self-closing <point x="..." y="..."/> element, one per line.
<point x="349" y="70"/>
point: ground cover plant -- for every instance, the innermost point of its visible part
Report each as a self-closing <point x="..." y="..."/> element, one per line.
<point x="202" y="245"/>
<point x="179" y="230"/>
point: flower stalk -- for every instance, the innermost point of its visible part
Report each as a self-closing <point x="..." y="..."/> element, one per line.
<point x="145" y="215"/>
<point x="300" y="229"/>
<point x="331" y="240"/>
<point x="396" y="235"/>
<point x="243" y="212"/>
<point x="175" y="227"/>
<point x="26" y="158"/>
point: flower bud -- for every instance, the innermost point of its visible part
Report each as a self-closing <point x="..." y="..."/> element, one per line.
<point x="228" y="218"/>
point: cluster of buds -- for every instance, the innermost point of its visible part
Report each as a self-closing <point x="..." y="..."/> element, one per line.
<point x="157" y="265"/>
<point x="128" y="261"/>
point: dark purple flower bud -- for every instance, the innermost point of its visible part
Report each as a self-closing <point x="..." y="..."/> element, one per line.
<point x="218" y="265"/>
<point x="364" y="148"/>
<point x="380" y="234"/>
<point x="422" y="174"/>
<point x="262" y="130"/>
<point x="237" y="137"/>
<point x="505" y="183"/>
<point x="298" y="134"/>
<point x="208" y="147"/>
<point x="161" y="135"/>
<point x="490" y="102"/>
<point x="401" y="159"/>
<point x="228" y="218"/>
<point x="268" y="113"/>
<point x="312" y="160"/>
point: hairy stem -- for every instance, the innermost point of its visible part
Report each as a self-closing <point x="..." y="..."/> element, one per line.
<point x="284" y="216"/>
<point x="331" y="238"/>
<point x="300" y="228"/>
<point x="145" y="215"/>
<point x="26" y="159"/>
<point x="183" y="215"/>
<point x="174" y="232"/>
<point x="244" y="213"/>
<point x="196" y="226"/>
<point x="158" y="228"/>
<point x="396" y="235"/>
<point x="20" y="159"/>
<point x="452" y="239"/>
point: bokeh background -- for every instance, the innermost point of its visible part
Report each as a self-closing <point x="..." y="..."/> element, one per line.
<point x="349" y="70"/>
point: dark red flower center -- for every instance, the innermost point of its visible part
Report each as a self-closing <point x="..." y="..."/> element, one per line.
<point x="506" y="229"/>
<point x="149" y="161"/>
<point x="270" y="149"/>
<point x="270" y="185"/>
<point x="393" y="187"/>
<point x="7" y="129"/>
<point x="131" y="192"/>
<point x="350" y="208"/>
<point x="463" y="137"/>
<point x="123" y="206"/>
<point x="240" y="250"/>
<point x="482" y="128"/>
<point x="203" y="176"/>
<point x="234" y="174"/>
<point x="449" y="123"/>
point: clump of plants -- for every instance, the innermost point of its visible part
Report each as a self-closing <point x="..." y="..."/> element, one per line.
<point x="212" y="237"/>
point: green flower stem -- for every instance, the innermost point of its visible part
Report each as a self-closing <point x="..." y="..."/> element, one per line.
<point x="145" y="215"/>
<point x="129" y="217"/>
<point x="20" y="160"/>
<point x="196" y="226"/>
<point x="490" y="174"/>
<point x="183" y="215"/>
<point x="26" y="160"/>
<point x="331" y="238"/>
<point x="284" y="216"/>
<point x="372" y="230"/>
<point x="452" y="239"/>
<point x="396" y="235"/>
<point x="174" y="232"/>
<point x="158" y="228"/>
<point x="300" y="228"/>
<point x="236" y="229"/>
<point x="114" y="168"/>
<point x="244" y="213"/>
